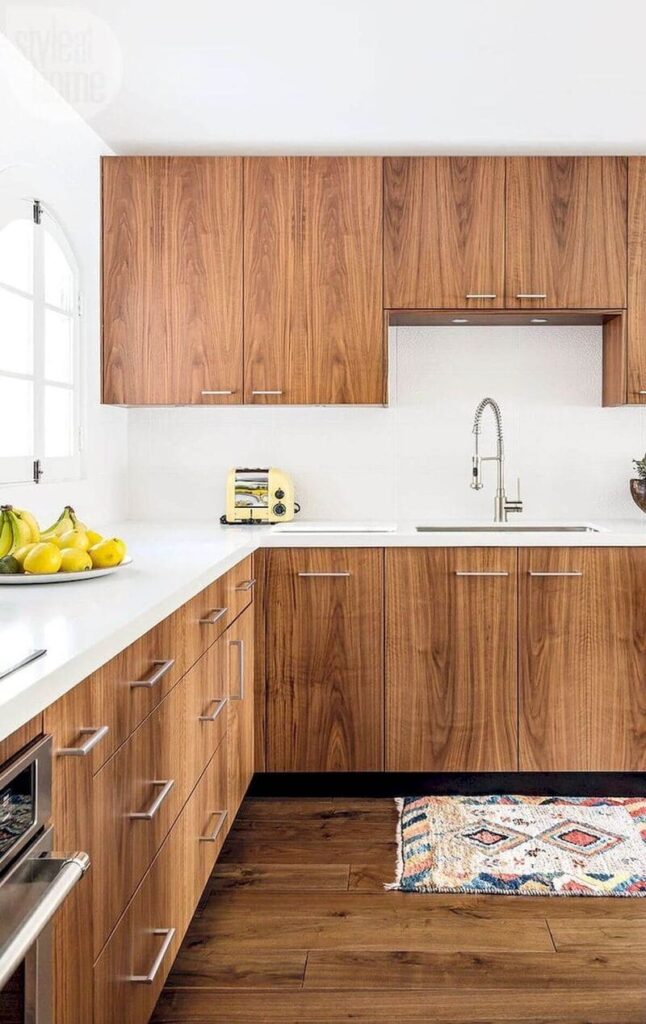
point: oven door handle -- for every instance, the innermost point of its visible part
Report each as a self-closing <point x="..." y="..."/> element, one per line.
<point x="17" y="938"/>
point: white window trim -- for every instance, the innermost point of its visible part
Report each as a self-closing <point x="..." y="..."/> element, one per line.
<point x="52" y="469"/>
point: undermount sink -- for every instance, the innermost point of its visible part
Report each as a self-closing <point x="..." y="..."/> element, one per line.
<point x="510" y="528"/>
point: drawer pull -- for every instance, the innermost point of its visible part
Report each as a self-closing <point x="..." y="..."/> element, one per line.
<point x="217" y="392"/>
<point x="555" y="573"/>
<point x="222" y="817"/>
<point x="531" y="295"/>
<point x="219" y="704"/>
<point x="147" y="979"/>
<point x="481" y="295"/>
<point x="154" y="675"/>
<point x="213" y="616"/>
<point x="459" y="572"/>
<point x="95" y="734"/>
<point x="328" y="574"/>
<point x="166" y="786"/>
<point x="266" y="392"/>
<point x="245" y="585"/>
<point x="240" y="645"/>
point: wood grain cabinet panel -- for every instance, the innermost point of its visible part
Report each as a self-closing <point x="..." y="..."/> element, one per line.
<point x="172" y="280"/>
<point x="582" y="659"/>
<point x="636" y="326"/>
<point x="324" y="659"/>
<point x="313" y="309"/>
<point x="451" y="680"/>
<point x="239" y="641"/>
<point x="566" y="232"/>
<point x="444" y="232"/>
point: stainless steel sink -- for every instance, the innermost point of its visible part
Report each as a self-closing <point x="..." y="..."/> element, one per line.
<point x="508" y="528"/>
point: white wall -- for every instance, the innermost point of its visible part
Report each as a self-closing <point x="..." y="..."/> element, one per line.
<point x="413" y="459"/>
<point x="47" y="150"/>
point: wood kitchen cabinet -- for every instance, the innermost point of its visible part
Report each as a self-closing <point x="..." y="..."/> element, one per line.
<point x="582" y="659"/>
<point x="451" y="679"/>
<point x="240" y="734"/>
<point x="172" y="280"/>
<point x="324" y="659"/>
<point x="636" y="316"/>
<point x="566" y="232"/>
<point x="313" y="308"/>
<point x="444" y="232"/>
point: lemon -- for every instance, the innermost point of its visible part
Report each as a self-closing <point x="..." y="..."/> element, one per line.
<point x="73" y="539"/>
<point x="107" y="553"/>
<point x="22" y="553"/>
<point x="94" y="537"/>
<point x="121" y="544"/>
<point x="75" y="560"/>
<point x="43" y="558"/>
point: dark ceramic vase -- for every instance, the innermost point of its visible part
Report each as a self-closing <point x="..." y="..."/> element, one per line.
<point x="638" y="491"/>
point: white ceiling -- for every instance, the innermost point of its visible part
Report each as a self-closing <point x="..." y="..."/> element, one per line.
<point x="353" y="76"/>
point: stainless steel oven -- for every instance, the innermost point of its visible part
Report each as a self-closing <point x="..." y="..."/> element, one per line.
<point x="34" y="882"/>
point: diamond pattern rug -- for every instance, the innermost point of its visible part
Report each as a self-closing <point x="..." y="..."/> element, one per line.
<point x="522" y="845"/>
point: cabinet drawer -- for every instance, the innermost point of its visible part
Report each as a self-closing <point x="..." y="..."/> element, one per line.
<point x="141" y="790"/>
<point x="211" y="612"/>
<point x="130" y="973"/>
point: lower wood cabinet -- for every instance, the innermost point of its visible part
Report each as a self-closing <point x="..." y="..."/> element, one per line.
<point x="582" y="659"/>
<point x="240" y="652"/>
<point x="451" y="689"/>
<point x="324" y="659"/>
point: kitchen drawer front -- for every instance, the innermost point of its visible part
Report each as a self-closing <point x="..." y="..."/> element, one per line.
<point x="205" y="823"/>
<point x="151" y="776"/>
<point x="240" y="734"/>
<point x="210" y="613"/>
<point x="131" y="685"/>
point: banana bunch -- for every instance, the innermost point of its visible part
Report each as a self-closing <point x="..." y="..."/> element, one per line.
<point x="65" y="522"/>
<point x="17" y="528"/>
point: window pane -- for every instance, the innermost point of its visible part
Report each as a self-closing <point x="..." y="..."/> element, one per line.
<point x="59" y="279"/>
<point x="58" y="421"/>
<point x="16" y="327"/>
<point x="16" y="417"/>
<point x="58" y="346"/>
<point x="16" y="249"/>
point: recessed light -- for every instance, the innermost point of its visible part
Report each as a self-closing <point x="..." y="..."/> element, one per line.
<point x="537" y="320"/>
<point x="459" y="320"/>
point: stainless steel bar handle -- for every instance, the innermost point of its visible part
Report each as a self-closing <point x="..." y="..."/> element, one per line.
<point x="266" y="392"/>
<point x="149" y="814"/>
<point x="222" y="817"/>
<point x="641" y="392"/>
<point x="147" y="979"/>
<point x="154" y="675"/>
<point x="16" y="947"/>
<point x="460" y="572"/>
<point x="324" y="574"/>
<point x="219" y="704"/>
<point x="217" y="392"/>
<point x="213" y="616"/>
<point x="240" y="645"/>
<point x="96" y="734"/>
<point x="531" y="295"/>
<point x="481" y="295"/>
<point x="555" y="573"/>
<point x="246" y="585"/>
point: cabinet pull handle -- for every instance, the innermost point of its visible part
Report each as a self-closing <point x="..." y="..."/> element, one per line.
<point x="213" y="616"/>
<point x="154" y="675"/>
<point x="240" y="645"/>
<point x="217" y="392"/>
<point x="460" y="572"/>
<point x="96" y="734"/>
<point x="641" y="392"/>
<point x="222" y="817"/>
<point x="531" y="295"/>
<point x="325" y="574"/>
<point x="219" y="704"/>
<point x="166" y="786"/>
<point x="245" y="585"/>
<point x="481" y="295"/>
<point x="266" y="392"/>
<point x="147" y="979"/>
<point x="555" y="573"/>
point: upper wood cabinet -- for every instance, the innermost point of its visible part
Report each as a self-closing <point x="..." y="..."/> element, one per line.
<point x="172" y="280"/>
<point x="566" y="232"/>
<point x="451" y="682"/>
<point x="313" y="308"/>
<point x="324" y="659"/>
<point x="636" y="325"/>
<point x="444" y="232"/>
<point x="582" y="659"/>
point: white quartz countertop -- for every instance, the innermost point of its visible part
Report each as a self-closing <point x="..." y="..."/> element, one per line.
<point x="82" y="625"/>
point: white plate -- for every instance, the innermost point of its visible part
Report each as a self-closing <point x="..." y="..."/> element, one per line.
<point x="60" y="577"/>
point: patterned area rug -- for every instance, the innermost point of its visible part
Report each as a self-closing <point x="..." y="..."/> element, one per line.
<point x="522" y="845"/>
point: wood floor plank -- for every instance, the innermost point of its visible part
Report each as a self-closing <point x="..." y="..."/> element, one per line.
<point x="197" y="967"/>
<point x="571" y="936"/>
<point x="252" y="851"/>
<point x="382" y="812"/>
<point x="532" y="1006"/>
<point x="316" y="830"/>
<point x="279" y="877"/>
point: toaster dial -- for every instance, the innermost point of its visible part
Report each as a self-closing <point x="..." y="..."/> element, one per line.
<point x="279" y="494"/>
<point x="279" y="509"/>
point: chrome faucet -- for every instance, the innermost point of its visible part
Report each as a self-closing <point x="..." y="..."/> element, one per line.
<point x="502" y="505"/>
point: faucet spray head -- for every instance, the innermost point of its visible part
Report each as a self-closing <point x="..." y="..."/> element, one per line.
<point x="476" y="482"/>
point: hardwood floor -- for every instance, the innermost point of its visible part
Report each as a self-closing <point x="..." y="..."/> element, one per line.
<point x="295" y="927"/>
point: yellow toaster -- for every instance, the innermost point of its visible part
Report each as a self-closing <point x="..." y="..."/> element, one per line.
<point x="259" y="496"/>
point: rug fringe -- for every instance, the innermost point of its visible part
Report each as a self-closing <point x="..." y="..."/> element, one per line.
<point x="399" y="866"/>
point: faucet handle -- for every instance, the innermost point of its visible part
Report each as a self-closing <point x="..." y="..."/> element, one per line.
<point x="515" y="505"/>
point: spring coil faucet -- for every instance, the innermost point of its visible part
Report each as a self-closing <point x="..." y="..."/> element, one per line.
<point x="502" y="505"/>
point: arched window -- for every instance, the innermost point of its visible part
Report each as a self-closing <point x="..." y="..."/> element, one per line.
<point x="39" y="346"/>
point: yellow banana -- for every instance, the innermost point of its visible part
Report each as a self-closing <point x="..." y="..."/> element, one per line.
<point x="62" y="524"/>
<point x="19" y="530"/>
<point x="31" y="522"/>
<point x="6" y="533"/>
